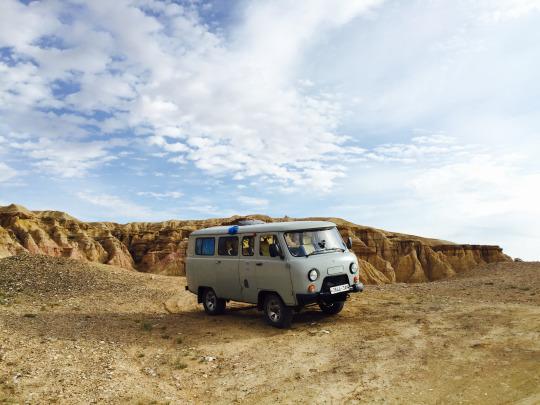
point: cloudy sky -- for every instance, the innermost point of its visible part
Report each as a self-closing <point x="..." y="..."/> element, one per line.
<point x="415" y="116"/>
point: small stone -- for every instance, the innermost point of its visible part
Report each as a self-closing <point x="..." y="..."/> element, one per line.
<point x="150" y="371"/>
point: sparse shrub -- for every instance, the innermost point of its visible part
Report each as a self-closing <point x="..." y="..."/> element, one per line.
<point x="179" y="365"/>
<point x="179" y="340"/>
<point x="165" y="337"/>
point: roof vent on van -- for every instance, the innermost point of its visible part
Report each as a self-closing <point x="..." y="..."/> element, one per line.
<point x="243" y="222"/>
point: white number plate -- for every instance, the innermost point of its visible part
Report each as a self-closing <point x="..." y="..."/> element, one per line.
<point x="339" y="288"/>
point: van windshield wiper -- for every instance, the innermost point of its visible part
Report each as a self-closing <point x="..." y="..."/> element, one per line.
<point x="316" y="252"/>
<point x="334" y="249"/>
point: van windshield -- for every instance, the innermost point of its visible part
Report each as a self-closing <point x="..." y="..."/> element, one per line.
<point x="314" y="241"/>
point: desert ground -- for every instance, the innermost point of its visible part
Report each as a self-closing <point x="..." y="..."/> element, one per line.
<point x="87" y="333"/>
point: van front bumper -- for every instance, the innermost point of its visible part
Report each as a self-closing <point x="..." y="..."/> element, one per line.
<point x="306" y="299"/>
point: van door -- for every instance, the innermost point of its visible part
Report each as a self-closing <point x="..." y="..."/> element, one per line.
<point x="273" y="273"/>
<point x="227" y="281"/>
<point x="200" y="266"/>
<point x="248" y="279"/>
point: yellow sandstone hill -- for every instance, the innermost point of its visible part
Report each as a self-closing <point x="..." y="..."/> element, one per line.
<point x="160" y="247"/>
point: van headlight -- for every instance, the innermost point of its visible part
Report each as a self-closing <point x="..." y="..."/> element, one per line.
<point x="313" y="274"/>
<point x="353" y="268"/>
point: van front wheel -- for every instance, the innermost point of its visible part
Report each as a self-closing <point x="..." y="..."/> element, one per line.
<point x="276" y="312"/>
<point x="212" y="304"/>
<point x="331" y="308"/>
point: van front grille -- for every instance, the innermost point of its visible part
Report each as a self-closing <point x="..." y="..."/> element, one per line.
<point x="332" y="281"/>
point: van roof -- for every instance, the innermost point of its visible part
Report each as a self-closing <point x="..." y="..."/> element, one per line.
<point x="270" y="227"/>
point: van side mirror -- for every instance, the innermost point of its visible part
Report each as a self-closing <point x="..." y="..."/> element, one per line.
<point x="275" y="250"/>
<point x="349" y="243"/>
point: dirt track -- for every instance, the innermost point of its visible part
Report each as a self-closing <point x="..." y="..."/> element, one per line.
<point x="75" y="333"/>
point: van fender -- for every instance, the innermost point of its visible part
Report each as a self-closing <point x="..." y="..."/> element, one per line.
<point x="262" y="294"/>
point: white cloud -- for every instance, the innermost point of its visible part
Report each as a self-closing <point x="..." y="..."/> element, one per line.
<point x="180" y="160"/>
<point x="6" y="172"/>
<point x="474" y="197"/>
<point x="207" y="209"/>
<point x="22" y="24"/>
<point x="116" y="206"/>
<point x="480" y="187"/>
<point x="253" y="202"/>
<point x="423" y="148"/>
<point x="502" y="10"/>
<point x="67" y="159"/>
<point x="198" y="206"/>
<point x="231" y="105"/>
<point x="489" y="199"/>
<point x="169" y="147"/>
<point x="455" y="69"/>
<point x="168" y="194"/>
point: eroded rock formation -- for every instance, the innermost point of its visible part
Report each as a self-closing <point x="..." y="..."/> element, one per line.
<point x="385" y="257"/>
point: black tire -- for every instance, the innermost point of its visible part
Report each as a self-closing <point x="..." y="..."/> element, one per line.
<point x="276" y="312"/>
<point x="331" y="308"/>
<point x="212" y="304"/>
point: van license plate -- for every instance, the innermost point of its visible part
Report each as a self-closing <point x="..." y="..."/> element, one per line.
<point x="339" y="288"/>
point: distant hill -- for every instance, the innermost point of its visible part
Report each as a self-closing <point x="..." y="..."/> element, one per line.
<point x="160" y="247"/>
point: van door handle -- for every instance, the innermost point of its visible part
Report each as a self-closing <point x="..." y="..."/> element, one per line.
<point x="218" y="261"/>
<point x="258" y="264"/>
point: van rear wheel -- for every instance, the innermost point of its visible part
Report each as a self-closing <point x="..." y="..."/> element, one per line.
<point x="212" y="304"/>
<point x="331" y="308"/>
<point x="276" y="312"/>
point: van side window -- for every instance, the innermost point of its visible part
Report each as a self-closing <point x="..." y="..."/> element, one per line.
<point x="248" y="246"/>
<point x="228" y="246"/>
<point x="264" y="244"/>
<point x="205" y="246"/>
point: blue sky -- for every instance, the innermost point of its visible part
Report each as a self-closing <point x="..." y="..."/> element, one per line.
<point x="418" y="117"/>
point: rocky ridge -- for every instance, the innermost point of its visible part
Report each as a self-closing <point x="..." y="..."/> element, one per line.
<point x="385" y="257"/>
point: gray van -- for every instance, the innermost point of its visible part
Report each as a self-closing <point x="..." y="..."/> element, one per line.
<point x="280" y="266"/>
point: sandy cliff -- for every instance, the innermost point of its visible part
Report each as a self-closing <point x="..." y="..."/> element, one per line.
<point x="385" y="257"/>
